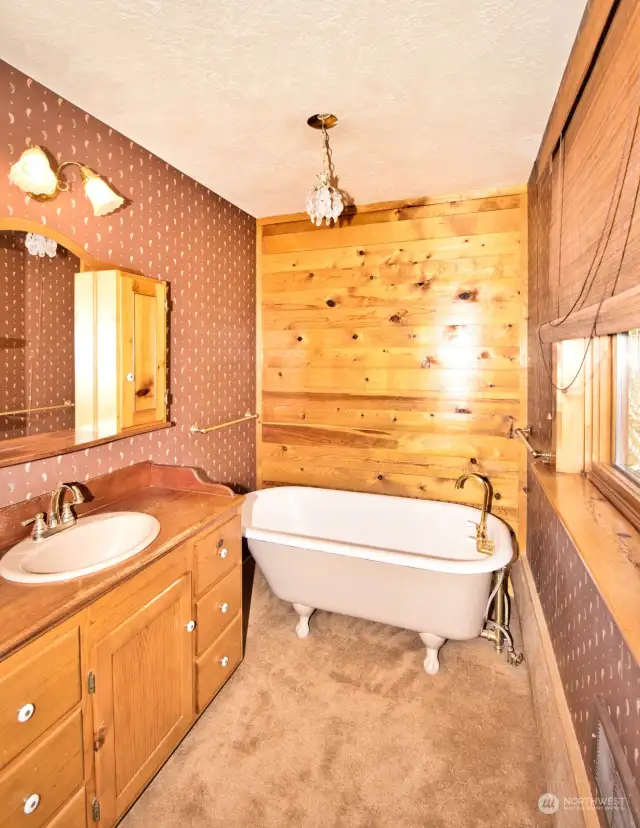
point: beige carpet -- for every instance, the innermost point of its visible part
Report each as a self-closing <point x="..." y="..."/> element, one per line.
<point x="345" y="730"/>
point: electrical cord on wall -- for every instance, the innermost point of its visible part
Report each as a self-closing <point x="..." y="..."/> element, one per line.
<point x="591" y="277"/>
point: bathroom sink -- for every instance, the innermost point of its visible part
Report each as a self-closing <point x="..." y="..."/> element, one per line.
<point x="92" y="544"/>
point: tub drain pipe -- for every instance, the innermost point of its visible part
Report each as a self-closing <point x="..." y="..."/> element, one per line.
<point x="497" y="630"/>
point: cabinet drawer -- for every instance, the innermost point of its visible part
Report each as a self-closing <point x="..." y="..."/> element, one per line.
<point x="71" y="815"/>
<point x="216" y="552"/>
<point x="47" y="774"/>
<point x="38" y="685"/>
<point x="215" y="666"/>
<point x="217" y="608"/>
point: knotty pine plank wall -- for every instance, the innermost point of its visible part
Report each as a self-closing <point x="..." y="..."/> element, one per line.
<point x="393" y="349"/>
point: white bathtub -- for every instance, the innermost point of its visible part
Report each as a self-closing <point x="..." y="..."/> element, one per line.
<point x="405" y="562"/>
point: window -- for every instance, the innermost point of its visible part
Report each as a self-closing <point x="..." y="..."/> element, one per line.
<point x="612" y="420"/>
<point x="597" y="422"/>
<point x="626" y="426"/>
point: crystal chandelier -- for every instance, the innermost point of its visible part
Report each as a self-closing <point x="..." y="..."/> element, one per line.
<point x="324" y="201"/>
<point x="41" y="246"/>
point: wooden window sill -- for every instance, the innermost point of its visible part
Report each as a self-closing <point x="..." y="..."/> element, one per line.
<point x="619" y="490"/>
<point x="607" y="542"/>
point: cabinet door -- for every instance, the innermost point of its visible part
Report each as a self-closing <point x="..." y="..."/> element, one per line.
<point x="144" y="346"/>
<point x="143" y="700"/>
<point x="120" y="351"/>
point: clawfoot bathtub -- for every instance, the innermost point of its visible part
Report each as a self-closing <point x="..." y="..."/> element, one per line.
<point x="399" y="561"/>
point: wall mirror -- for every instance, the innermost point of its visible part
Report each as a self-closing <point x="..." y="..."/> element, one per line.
<point x="83" y="347"/>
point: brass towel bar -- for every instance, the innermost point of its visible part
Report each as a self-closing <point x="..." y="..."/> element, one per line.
<point x="524" y="434"/>
<point x="195" y="429"/>
<point x="65" y="404"/>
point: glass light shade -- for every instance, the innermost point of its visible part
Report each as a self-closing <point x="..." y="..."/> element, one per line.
<point x="41" y="246"/>
<point x="324" y="202"/>
<point x="33" y="174"/>
<point x="103" y="199"/>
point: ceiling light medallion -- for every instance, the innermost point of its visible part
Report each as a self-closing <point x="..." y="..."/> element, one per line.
<point x="34" y="175"/>
<point x="324" y="200"/>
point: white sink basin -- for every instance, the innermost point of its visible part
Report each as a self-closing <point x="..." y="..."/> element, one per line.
<point x="94" y="543"/>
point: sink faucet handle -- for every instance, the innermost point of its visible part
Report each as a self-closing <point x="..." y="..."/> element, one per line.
<point x="67" y="515"/>
<point x="39" y="525"/>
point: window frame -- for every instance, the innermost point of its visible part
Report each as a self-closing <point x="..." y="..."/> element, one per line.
<point x="602" y="391"/>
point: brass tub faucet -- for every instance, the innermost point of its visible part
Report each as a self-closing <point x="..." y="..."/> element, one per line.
<point x="483" y="543"/>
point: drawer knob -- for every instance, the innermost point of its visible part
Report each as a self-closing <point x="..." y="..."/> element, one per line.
<point x="224" y="607"/>
<point x="26" y="712"/>
<point x="223" y="552"/>
<point x="190" y="625"/>
<point x="224" y="661"/>
<point x="31" y="803"/>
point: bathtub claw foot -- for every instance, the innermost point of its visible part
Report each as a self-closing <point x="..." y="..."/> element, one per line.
<point x="433" y="644"/>
<point x="302" y="627"/>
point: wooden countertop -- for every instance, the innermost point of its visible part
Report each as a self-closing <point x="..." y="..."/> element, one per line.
<point x="182" y="500"/>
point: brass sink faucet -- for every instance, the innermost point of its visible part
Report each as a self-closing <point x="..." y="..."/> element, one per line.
<point x="483" y="543"/>
<point x="61" y="514"/>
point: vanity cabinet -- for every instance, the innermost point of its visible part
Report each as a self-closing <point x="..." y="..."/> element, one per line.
<point x="218" y="590"/>
<point x="42" y="733"/>
<point x="142" y="685"/>
<point x="120" y="351"/>
<point x="92" y="708"/>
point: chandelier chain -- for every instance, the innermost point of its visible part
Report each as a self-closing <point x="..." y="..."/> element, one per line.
<point x="326" y="154"/>
<point x="324" y="201"/>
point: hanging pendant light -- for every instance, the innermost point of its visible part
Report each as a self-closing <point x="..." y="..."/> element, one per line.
<point x="324" y="200"/>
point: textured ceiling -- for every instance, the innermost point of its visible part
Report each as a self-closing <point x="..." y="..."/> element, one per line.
<point x="433" y="96"/>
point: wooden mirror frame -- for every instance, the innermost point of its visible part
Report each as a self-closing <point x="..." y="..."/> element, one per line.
<point x="19" y="225"/>
<point x="40" y="446"/>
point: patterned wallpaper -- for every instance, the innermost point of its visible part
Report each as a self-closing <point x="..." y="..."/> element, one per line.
<point x="12" y="334"/>
<point x="542" y="308"/>
<point x="174" y="229"/>
<point x="36" y="357"/>
<point x="592" y="655"/>
<point x="49" y="285"/>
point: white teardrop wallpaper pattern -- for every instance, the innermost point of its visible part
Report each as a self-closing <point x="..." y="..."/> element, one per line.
<point x="593" y="657"/>
<point x="12" y="334"/>
<point x="173" y="229"/>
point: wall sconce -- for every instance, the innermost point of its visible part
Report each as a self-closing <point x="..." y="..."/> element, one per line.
<point x="35" y="176"/>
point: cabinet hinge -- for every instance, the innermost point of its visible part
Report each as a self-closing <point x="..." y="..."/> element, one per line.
<point x="95" y="810"/>
<point x="91" y="682"/>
